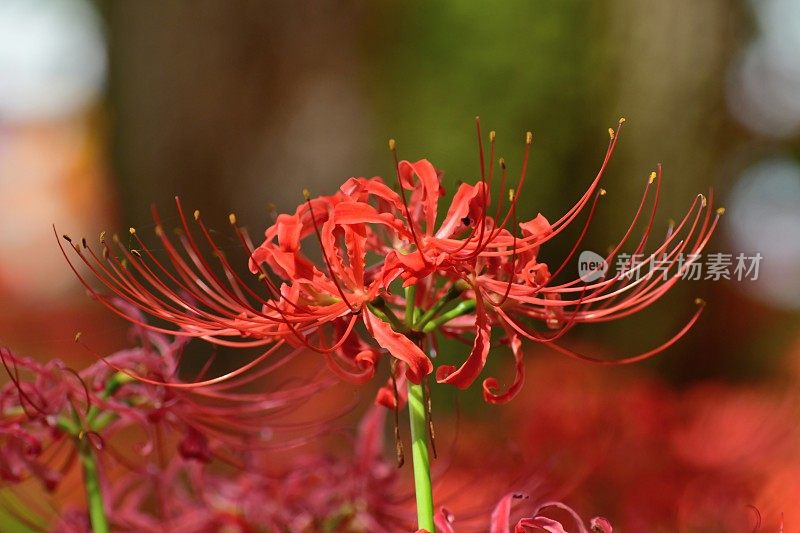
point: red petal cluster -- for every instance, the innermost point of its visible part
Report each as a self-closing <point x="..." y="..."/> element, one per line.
<point x="477" y="270"/>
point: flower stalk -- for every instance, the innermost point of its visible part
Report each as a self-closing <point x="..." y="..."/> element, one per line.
<point x="91" y="482"/>
<point x="420" y="457"/>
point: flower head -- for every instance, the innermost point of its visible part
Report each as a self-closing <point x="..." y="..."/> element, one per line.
<point x="476" y="271"/>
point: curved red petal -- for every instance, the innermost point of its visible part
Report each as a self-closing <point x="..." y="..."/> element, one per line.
<point x="490" y="384"/>
<point x="400" y="347"/>
<point x="464" y="376"/>
<point x="464" y="204"/>
<point x="429" y="180"/>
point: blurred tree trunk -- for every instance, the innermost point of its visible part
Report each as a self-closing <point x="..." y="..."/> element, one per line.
<point x="669" y="63"/>
<point x="232" y="104"/>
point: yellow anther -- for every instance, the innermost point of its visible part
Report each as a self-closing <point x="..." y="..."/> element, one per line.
<point x="232" y="218"/>
<point x="699" y="301"/>
<point x="528" y="137"/>
<point x="621" y="120"/>
<point x="492" y="135"/>
<point x="392" y="145"/>
<point x="703" y="201"/>
<point x="78" y="336"/>
<point x="197" y="214"/>
<point x="502" y="163"/>
<point x="720" y="210"/>
<point x="132" y="231"/>
<point x="306" y="194"/>
<point x="510" y="195"/>
<point x="652" y="177"/>
<point x="102" y="236"/>
<point x="611" y="133"/>
<point x="602" y="192"/>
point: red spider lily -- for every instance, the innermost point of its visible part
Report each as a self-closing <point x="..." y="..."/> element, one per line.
<point x="31" y="432"/>
<point x="501" y="521"/>
<point x="46" y="403"/>
<point x="313" y="492"/>
<point x="476" y="271"/>
<point x="358" y="492"/>
<point x="653" y="458"/>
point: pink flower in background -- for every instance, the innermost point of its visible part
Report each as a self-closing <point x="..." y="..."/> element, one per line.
<point x="501" y="521"/>
<point x="46" y="405"/>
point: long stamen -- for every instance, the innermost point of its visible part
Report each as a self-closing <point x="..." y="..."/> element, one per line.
<point x="579" y="240"/>
<point x="513" y="272"/>
<point x="567" y="218"/>
<point x="513" y="201"/>
<point x="480" y="148"/>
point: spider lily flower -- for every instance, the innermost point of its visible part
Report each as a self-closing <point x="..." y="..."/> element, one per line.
<point x="302" y="311"/>
<point x="478" y="270"/>
<point x="46" y="405"/>
<point x="507" y="285"/>
<point x="501" y="522"/>
<point x="358" y="492"/>
<point x="31" y="426"/>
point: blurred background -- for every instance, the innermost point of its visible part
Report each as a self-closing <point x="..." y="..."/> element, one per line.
<point x="109" y="106"/>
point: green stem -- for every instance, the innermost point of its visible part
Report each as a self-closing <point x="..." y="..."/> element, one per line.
<point x="379" y="308"/>
<point x="452" y="293"/>
<point x="411" y="309"/>
<point x="462" y="308"/>
<point x="95" y="419"/>
<point x="91" y="482"/>
<point x="420" y="457"/>
<point x="419" y="437"/>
